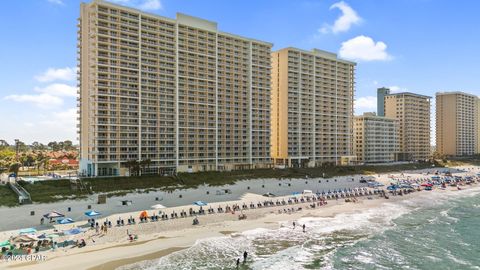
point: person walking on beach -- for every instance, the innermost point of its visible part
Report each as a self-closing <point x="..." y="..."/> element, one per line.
<point x="303" y="227"/>
<point x="238" y="262"/>
<point x="294" y="225"/>
<point x="245" y="255"/>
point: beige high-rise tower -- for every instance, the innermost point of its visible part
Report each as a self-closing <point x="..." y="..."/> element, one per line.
<point x="413" y="112"/>
<point x="457" y="127"/>
<point x="312" y="108"/>
<point x="177" y="92"/>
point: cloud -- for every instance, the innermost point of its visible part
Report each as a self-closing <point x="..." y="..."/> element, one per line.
<point x="43" y="100"/>
<point x="58" y="89"/>
<point x="43" y="127"/>
<point x="363" y="48"/>
<point x="151" y="5"/>
<point x="366" y="103"/>
<point x="60" y="74"/>
<point x="397" y="89"/>
<point x="58" y="2"/>
<point x="343" y="23"/>
<point x="141" y="4"/>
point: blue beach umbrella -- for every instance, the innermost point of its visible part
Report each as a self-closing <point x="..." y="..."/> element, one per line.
<point x="65" y="221"/>
<point x="28" y="231"/>
<point x="92" y="213"/>
<point x="200" y="203"/>
<point x="73" y="231"/>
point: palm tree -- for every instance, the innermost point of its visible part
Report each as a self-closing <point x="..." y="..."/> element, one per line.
<point x="145" y="164"/>
<point x="133" y="166"/>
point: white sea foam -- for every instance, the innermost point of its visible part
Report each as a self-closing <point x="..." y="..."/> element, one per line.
<point x="285" y="248"/>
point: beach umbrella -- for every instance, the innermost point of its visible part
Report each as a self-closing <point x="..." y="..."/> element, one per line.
<point x="72" y="231"/>
<point x="28" y="231"/>
<point x="200" y="203"/>
<point x="65" y="221"/>
<point x="158" y="206"/>
<point x="53" y="214"/>
<point x="92" y="213"/>
<point x="24" y="238"/>
<point x="144" y="214"/>
<point x="5" y="243"/>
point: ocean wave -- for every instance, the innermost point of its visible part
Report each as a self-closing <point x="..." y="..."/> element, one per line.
<point x="285" y="248"/>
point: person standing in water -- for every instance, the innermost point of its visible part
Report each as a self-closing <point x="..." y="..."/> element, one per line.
<point x="245" y="255"/>
<point x="294" y="225"/>
<point x="238" y="262"/>
<point x="303" y="227"/>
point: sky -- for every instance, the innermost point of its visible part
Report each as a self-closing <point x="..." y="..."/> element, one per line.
<point x="421" y="46"/>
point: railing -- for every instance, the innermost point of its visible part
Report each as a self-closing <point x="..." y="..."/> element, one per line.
<point x="23" y="195"/>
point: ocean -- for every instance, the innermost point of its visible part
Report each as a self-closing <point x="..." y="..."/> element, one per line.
<point x="435" y="230"/>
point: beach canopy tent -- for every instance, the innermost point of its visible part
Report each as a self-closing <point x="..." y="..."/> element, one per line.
<point x="53" y="214"/>
<point x="5" y="243"/>
<point x="24" y="239"/>
<point x="65" y="221"/>
<point x="200" y="203"/>
<point x="27" y="231"/>
<point x="158" y="206"/>
<point x="143" y="214"/>
<point x="92" y="213"/>
<point x="73" y="231"/>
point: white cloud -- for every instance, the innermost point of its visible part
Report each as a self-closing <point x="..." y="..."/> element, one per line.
<point x="60" y="74"/>
<point x="44" y="126"/>
<point x="58" y="89"/>
<point x="141" y="4"/>
<point x="366" y="103"/>
<point x="42" y="100"/>
<point x="58" y="2"/>
<point x="363" y="48"/>
<point x="343" y="23"/>
<point x="397" y="89"/>
<point x="151" y="5"/>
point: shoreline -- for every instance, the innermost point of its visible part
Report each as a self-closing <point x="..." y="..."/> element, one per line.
<point x="178" y="234"/>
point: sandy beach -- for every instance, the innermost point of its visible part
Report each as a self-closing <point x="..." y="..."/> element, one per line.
<point x="157" y="239"/>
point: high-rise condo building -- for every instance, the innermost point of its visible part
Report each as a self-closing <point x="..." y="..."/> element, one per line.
<point x="176" y="92"/>
<point x="376" y="138"/>
<point x="457" y="123"/>
<point x="312" y="108"/>
<point x="413" y="112"/>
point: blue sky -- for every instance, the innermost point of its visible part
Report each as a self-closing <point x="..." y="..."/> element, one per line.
<point x="421" y="46"/>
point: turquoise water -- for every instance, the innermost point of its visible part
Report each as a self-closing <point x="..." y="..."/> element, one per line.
<point x="431" y="231"/>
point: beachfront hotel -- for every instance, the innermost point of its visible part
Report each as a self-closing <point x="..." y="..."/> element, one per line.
<point x="376" y="138"/>
<point x="413" y="113"/>
<point x="177" y="92"/>
<point x="457" y="123"/>
<point x="312" y="108"/>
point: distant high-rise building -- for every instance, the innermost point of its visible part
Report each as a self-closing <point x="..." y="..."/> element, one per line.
<point x="413" y="112"/>
<point x="312" y="108"/>
<point x="457" y="116"/>
<point x="178" y="93"/>
<point x="381" y="93"/>
<point x="376" y="138"/>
